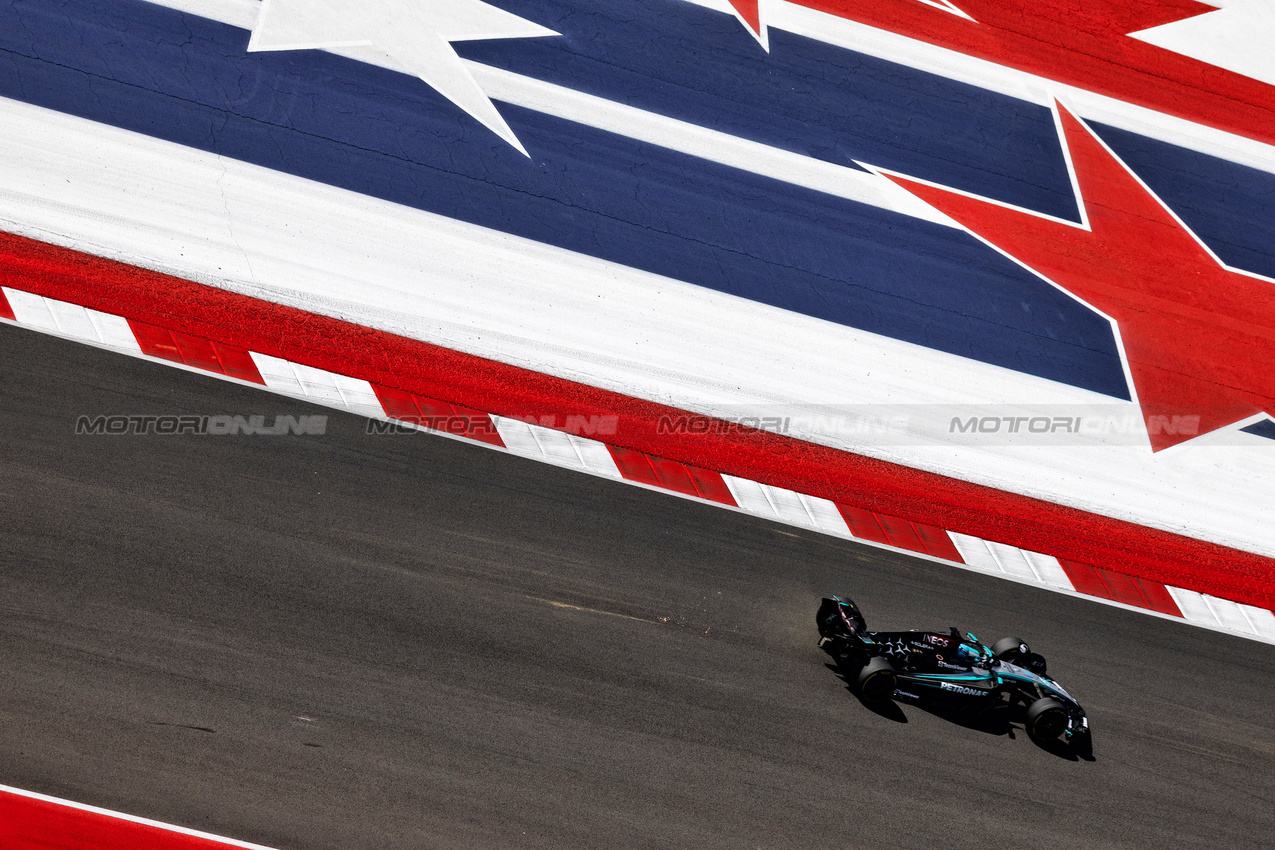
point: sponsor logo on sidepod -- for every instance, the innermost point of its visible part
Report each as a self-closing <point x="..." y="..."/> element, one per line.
<point x="961" y="689"/>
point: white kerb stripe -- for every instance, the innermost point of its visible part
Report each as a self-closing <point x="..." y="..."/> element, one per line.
<point x="1012" y="562"/>
<point x="975" y="553"/>
<point x="1193" y="607"/>
<point x="319" y="386"/>
<point x="181" y="830"/>
<point x="1048" y="570"/>
<point x="1229" y="614"/>
<point x="787" y="506"/>
<point x="71" y="321"/>
<point x="556" y="447"/>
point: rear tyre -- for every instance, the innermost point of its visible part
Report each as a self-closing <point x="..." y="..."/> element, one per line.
<point x="1046" y="719"/>
<point x="1010" y="649"/>
<point x="877" y="680"/>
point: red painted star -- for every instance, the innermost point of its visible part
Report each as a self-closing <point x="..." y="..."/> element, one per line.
<point x="1198" y="338"/>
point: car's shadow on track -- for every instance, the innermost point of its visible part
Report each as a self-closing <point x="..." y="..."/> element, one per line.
<point x="1001" y="721"/>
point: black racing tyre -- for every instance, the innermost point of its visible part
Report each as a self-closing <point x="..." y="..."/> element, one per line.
<point x="876" y="680"/>
<point x="1010" y="649"/>
<point x="1046" y="719"/>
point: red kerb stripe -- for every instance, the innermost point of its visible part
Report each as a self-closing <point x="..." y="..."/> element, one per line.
<point x="671" y="475"/>
<point x="6" y="311"/>
<point x="938" y="542"/>
<point x="30" y="824"/>
<point x="197" y="352"/>
<point x="900" y="533"/>
<point x="1106" y="584"/>
<point x="1122" y="588"/>
<point x="863" y="524"/>
<point x="1158" y="598"/>
<point x="156" y="342"/>
<point x="634" y="466"/>
<point x="711" y="485"/>
<point x="437" y="415"/>
<point x="1085" y="579"/>
<point x="237" y="363"/>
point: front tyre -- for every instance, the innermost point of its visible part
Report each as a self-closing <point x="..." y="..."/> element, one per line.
<point x="1046" y="719"/>
<point x="877" y="680"/>
<point x="1010" y="649"/>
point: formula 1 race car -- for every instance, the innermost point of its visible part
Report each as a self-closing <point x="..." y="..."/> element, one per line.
<point x="951" y="670"/>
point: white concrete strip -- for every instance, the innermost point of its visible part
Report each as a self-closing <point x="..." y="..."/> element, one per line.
<point x="556" y="447"/>
<point x="72" y="320"/>
<point x="269" y="235"/>
<point x="167" y="827"/>
<point x="1213" y="612"/>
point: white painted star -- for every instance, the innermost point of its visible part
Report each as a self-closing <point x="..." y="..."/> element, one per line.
<point x="1236" y="37"/>
<point x="411" y="36"/>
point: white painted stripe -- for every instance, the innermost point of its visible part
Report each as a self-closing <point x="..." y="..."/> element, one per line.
<point x="787" y="506"/>
<point x="825" y="516"/>
<point x="750" y="496"/>
<point x="1012" y="563"/>
<point x="1048" y="570"/>
<point x="31" y="310"/>
<point x="72" y="321"/>
<point x="976" y="554"/>
<point x="168" y="827"/>
<point x="235" y="13"/>
<point x="556" y="447"/>
<point x="1262" y="621"/>
<point x="1229" y="615"/>
<point x="114" y="331"/>
<point x="1193" y="607"/>
<point x="319" y="386"/>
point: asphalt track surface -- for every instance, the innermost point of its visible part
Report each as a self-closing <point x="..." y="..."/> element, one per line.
<point x="350" y="640"/>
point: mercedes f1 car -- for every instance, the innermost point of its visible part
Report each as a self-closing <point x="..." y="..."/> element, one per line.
<point x="950" y="668"/>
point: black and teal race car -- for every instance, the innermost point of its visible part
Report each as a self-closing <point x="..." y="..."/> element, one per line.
<point x="950" y="669"/>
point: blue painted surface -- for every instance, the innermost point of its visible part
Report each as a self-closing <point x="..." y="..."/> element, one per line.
<point x="690" y="63"/>
<point x="188" y="80"/>
<point x="1265" y="428"/>
<point x="1230" y="207"/>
